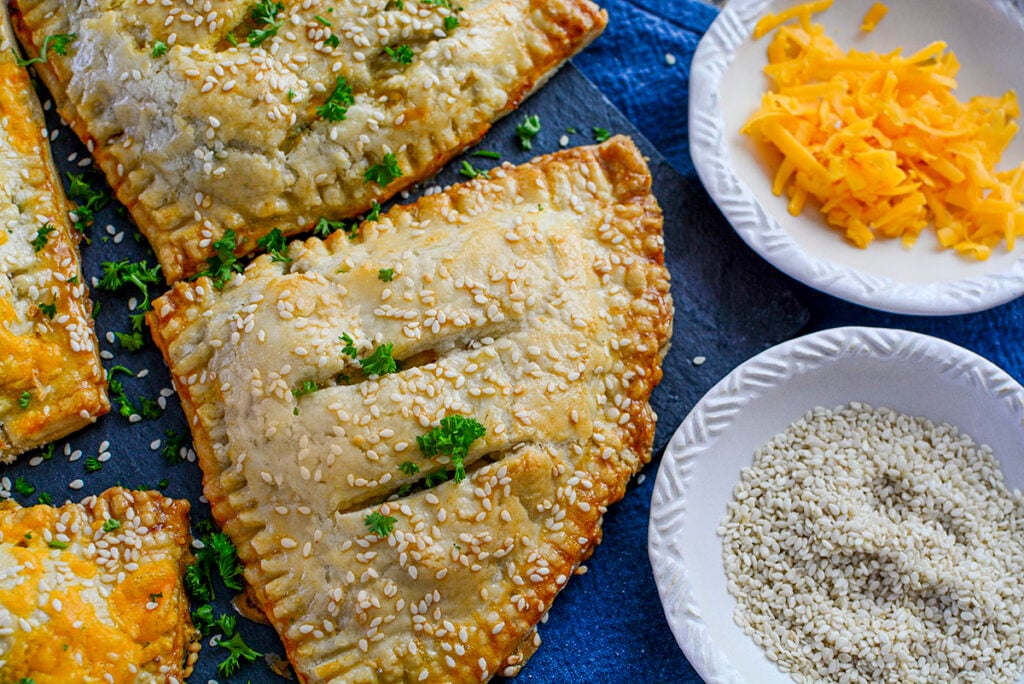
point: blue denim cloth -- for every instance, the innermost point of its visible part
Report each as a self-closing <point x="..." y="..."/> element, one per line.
<point x="624" y="636"/>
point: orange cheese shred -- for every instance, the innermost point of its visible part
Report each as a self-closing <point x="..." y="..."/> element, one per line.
<point x="879" y="142"/>
<point x="873" y="16"/>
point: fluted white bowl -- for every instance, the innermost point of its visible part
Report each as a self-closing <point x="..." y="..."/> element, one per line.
<point x="726" y="84"/>
<point x="908" y="372"/>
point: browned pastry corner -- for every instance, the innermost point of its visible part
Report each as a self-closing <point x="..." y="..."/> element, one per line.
<point x="535" y="304"/>
<point x="93" y="591"/>
<point x="206" y="120"/>
<point x="51" y="380"/>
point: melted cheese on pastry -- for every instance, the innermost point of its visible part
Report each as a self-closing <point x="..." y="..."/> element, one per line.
<point x="84" y="599"/>
<point x="51" y="381"/>
<point x="228" y="129"/>
<point x="535" y="303"/>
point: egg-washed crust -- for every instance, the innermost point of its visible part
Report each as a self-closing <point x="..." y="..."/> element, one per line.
<point x="211" y="136"/>
<point x="535" y="302"/>
<point x="51" y="380"/>
<point x="81" y="603"/>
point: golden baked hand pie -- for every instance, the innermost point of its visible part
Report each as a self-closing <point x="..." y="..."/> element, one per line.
<point x="51" y="380"/>
<point x="252" y="115"/>
<point x="93" y="592"/>
<point x="417" y="524"/>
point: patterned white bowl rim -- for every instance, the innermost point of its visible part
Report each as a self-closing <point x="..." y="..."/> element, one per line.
<point x="909" y="372"/>
<point x="726" y="84"/>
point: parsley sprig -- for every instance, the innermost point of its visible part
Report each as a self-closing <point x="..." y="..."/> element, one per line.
<point x="147" y="408"/>
<point x="452" y="437"/>
<point x="384" y="172"/>
<point x="338" y="102"/>
<point x="223" y="265"/>
<point x="88" y="200"/>
<point x="380" y="524"/>
<point x="125" y="273"/>
<point x="264" y="13"/>
<point x="42" y="236"/>
<point x="218" y="555"/>
<point x="402" y="54"/>
<point x="60" y="43"/>
<point x="275" y="245"/>
<point x="231" y="639"/>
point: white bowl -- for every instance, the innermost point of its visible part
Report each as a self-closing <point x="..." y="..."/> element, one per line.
<point x="726" y="83"/>
<point x="911" y="373"/>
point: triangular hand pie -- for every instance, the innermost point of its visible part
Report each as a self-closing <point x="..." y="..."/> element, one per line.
<point x="412" y="436"/>
<point x="253" y="115"/>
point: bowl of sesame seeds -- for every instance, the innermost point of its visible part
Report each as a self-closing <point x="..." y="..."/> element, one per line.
<point x="845" y="507"/>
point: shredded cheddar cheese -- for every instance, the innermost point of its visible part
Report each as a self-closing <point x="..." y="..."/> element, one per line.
<point x="873" y="16"/>
<point x="880" y="142"/>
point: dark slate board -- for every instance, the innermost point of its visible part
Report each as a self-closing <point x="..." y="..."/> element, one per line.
<point x="729" y="306"/>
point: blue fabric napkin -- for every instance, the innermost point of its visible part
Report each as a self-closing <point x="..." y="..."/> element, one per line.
<point x="641" y="63"/>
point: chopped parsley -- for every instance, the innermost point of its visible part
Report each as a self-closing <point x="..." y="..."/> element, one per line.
<point x="57" y="544"/>
<point x="24" y="399"/>
<point x="39" y="241"/>
<point x="374" y="214"/>
<point x="385" y="172"/>
<point x="119" y="274"/>
<point x="92" y="464"/>
<point x="88" y="200"/>
<point x="435" y="478"/>
<point x="322" y="20"/>
<point x="238" y="651"/>
<point x="469" y="171"/>
<point x="601" y="134"/>
<point x="487" y="154"/>
<point x="380" y="362"/>
<point x="332" y="41"/>
<point x="48" y="450"/>
<point x="111" y="524"/>
<point x="385" y="274"/>
<point x="402" y="54"/>
<point x="452" y="437"/>
<point x="60" y="46"/>
<point x="223" y="265"/>
<point x="307" y="387"/>
<point x="171" y="451"/>
<point x="147" y="407"/>
<point x="450" y="23"/>
<point x="264" y="13"/>
<point x="350" y="346"/>
<point x="528" y="130"/>
<point x="275" y="245"/>
<point x="49" y="310"/>
<point x="23" y="486"/>
<point x="217" y="554"/>
<point x="45" y="498"/>
<point x="409" y="468"/>
<point x="380" y="524"/>
<point x="338" y="102"/>
<point x="159" y="49"/>
<point x="325" y="227"/>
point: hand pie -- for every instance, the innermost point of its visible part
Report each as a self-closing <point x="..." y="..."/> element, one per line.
<point x="51" y="380"/>
<point x="411" y="437"/>
<point x="93" y="592"/>
<point x="253" y="115"/>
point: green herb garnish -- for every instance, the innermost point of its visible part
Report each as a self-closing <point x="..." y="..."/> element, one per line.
<point x="275" y="244"/>
<point x="380" y="524"/>
<point x="384" y="173"/>
<point x="111" y="524"/>
<point x="402" y="54"/>
<point x="380" y="362"/>
<point x="601" y="134"/>
<point x="39" y="241"/>
<point x="264" y="13"/>
<point x="60" y="43"/>
<point x="338" y="102"/>
<point x="223" y="265"/>
<point x="386" y="274"/>
<point x="452" y="437"/>
<point x="528" y="130"/>
<point x="159" y="49"/>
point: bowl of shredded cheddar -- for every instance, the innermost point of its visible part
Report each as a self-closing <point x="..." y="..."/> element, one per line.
<point x="870" y="151"/>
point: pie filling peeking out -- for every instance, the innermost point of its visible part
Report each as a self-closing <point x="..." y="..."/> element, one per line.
<point x="93" y="592"/>
<point x="259" y="114"/>
<point x="51" y="380"/>
<point x="411" y="436"/>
